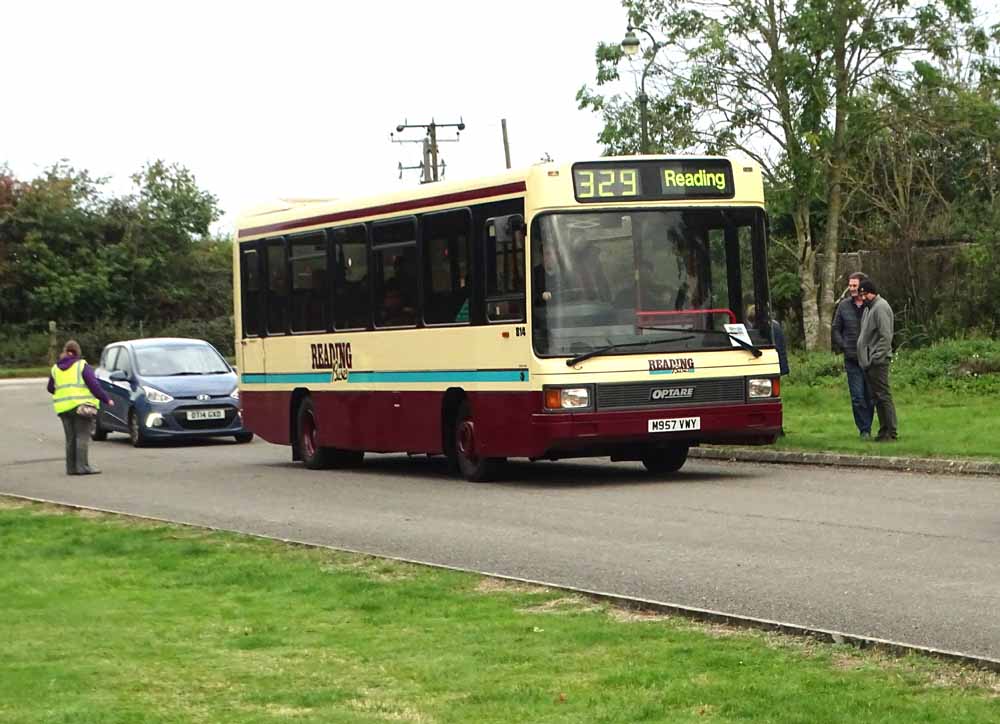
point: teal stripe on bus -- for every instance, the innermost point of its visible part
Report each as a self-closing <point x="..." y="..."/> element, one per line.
<point x="441" y="376"/>
<point x="274" y="379"/>
<point x="374" y="377"/>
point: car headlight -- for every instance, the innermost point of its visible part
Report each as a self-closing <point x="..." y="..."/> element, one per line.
<point x="154" y="395"/>
<point x="762" y="387"/>
<point x="235" y="394"/>
<point x="567" y="398"/>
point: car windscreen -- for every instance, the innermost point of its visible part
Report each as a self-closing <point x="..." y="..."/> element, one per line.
<point x="173" y="360"/>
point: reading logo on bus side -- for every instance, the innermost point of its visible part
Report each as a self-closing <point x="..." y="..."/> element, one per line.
<point x="333" y="356"/>
<point x="670" y="366"/>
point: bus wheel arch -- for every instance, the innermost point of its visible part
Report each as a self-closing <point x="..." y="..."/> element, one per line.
<point x="463" y="455"/>
<point x="306" y="439"/>
<point x="453" y="398"/>
<point x="293" y="420"/>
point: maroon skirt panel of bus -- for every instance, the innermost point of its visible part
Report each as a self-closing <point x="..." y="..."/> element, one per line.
<point x="507" y="424"/>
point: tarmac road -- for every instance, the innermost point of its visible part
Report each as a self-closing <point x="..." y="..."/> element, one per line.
<point x="900" y="556"/>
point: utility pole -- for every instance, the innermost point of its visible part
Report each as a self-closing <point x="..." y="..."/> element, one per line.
<point x="506" y="143"/>
<point x="431" y="169"/>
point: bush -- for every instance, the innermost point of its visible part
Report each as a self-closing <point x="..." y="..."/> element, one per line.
<point x="27" y="345"/>
<point x="24" y="345"/>
<point x="956" y="364"/>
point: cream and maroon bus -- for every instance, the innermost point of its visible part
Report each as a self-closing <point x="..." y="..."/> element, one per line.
<point x="614" y="307"/>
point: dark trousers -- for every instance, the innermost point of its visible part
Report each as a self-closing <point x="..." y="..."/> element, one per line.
<point x="861" y="397"/>
<point x="77" y="430"/>
<point x="877" y="377"/>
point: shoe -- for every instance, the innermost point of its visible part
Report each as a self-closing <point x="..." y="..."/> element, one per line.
<point x="885" y="438"/>
<point x="866" y="435"/>
<point x="91" y="471"/>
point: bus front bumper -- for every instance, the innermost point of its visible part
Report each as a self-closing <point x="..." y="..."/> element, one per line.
<point x="624" y="435"/>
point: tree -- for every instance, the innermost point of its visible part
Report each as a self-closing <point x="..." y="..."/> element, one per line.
<point x="776" y="80"/>
<point x="159" y="224"/>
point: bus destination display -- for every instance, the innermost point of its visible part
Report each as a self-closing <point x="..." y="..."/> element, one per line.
<point x="653" y="180"/>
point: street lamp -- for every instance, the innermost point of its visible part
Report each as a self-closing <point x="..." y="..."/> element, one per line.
<point x="631" y="46"/>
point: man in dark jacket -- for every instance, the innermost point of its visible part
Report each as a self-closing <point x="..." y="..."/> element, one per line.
<point x="875" y="356"/>
<point x="846" y="326"/>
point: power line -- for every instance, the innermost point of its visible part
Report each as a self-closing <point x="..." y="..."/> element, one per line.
<point x="430" y="168"/>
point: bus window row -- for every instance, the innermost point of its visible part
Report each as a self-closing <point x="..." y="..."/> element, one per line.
<point x="423" y="270"/>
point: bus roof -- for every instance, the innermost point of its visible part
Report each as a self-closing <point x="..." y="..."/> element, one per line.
<point x="299" y="215"/>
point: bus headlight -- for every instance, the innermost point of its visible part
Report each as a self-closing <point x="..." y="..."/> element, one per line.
<point x="762" y="387"/>
<point x="567" y="398"/>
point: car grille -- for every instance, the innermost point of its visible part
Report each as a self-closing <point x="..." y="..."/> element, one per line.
<point x="180" y="417"/>
<point x="639" y="394"/>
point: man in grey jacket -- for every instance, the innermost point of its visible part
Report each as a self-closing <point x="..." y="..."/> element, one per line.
<point x="846" y="326"/>
<point x="875" y="355"/>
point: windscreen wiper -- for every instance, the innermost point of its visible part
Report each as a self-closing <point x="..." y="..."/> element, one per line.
<point x="740" y="342"/>
<point x="621" y="345"/>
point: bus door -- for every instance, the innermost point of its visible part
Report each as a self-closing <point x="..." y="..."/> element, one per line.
<point x="250" y="351"/>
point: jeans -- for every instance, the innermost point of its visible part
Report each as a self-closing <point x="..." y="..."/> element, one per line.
<point x="861" y="396"/>
<point x="877" y="377"/>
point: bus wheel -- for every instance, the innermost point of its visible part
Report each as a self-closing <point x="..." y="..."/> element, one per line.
<point x="662" y="460"/>
<point x="313" y="456"/>
<point x="472" y="467"/>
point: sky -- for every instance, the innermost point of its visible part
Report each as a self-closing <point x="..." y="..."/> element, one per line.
<point x="267" y="100"/>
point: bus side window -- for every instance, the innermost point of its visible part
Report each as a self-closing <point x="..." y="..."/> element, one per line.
<point x="395" y="274"/>
<point x="504" y="260"/>
<point x="310" y="290"/>
<point x="446" y="254"/>
<point x="351" y="305"/>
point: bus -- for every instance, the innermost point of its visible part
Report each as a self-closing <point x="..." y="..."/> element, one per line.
<point x="615" y="307"/>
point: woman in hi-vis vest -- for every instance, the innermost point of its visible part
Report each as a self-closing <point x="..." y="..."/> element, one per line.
<point x="76" y="397"/>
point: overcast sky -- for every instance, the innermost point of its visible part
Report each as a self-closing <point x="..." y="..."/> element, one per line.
<point x="264" y="99"/>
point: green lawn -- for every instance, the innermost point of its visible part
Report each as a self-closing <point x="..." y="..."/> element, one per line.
<point x="107" y="620"/>
<point x="932" y="423"/>
<point x="13" y="372"/>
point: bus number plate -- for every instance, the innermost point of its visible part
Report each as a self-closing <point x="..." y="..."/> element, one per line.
<point x="675" y="424"/>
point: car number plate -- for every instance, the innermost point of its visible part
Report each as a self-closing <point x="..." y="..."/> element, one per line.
<point x="675" y="424"/>
<point x="206" y="414"/>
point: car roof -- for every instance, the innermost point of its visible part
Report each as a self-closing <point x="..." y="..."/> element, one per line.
<point x="160" y="342"/>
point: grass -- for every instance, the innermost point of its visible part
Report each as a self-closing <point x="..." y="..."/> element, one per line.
<point x="931" y="424"/>
<point x="947" y="399"/>
<point x="15" y="372"/>
<point x="110" y="620"/>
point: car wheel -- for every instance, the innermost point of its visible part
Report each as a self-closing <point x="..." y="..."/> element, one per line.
<point x="663" y="460"/>
<point x="135" y="433"/>
<point x="465" y="459"/>
<point x="97" y="432"/>
<point x="244" y="437"/>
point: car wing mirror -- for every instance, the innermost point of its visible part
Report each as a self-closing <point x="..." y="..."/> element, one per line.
<point x="118" y="376"/>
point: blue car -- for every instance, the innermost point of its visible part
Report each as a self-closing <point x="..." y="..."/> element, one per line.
<point x="168" y="388"/>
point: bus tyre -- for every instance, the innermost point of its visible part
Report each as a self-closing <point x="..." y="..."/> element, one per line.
<point x="661" y="460"/>
<point x="469" y="464"/>
<point x="313" y="456"/>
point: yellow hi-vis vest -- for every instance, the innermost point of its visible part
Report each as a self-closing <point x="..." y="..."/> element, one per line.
<point x="71" y="390"/>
